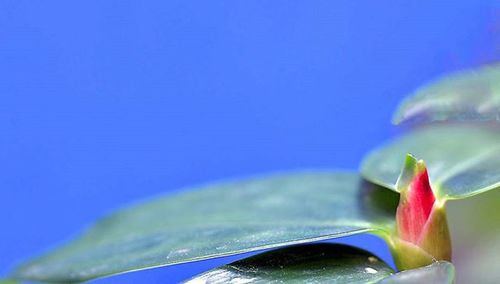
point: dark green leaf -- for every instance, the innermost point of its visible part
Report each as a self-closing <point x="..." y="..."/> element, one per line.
<point x="219" y="220"/>
<point x="314" y="263"/>
<point x="462" y="160"/>
<point x="471" y="95"/>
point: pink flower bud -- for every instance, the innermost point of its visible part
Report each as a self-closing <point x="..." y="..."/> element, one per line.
<point x="422" y="235"/>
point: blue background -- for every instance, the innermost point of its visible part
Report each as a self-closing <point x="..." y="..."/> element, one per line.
<point x="106" y="102"/>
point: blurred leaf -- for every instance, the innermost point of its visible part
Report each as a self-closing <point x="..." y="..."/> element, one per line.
<point x="441" y="272"/>
<point x="219" y="220"/>
<point x="474" y="225"/>
<point x="471" y="95"/>
<point x="462" y="160"/>
<point x="314" y="263"/>
<point x="7" y="281"/>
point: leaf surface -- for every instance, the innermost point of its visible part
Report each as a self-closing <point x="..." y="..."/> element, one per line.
<point x="441" y="272"/>
<point x="218" y="220"/>
<point x="471" y="95"/>
<point x="462" y="160"/>
<point x="313" y="263"/>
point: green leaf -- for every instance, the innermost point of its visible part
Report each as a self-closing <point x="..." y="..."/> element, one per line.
<point x="471" y="95"/>
<point x="219" y="220"/>
<point x="7" y="281"/>
<point x="462" y="160"/>
<point x="441" y="272"/>
<point x="476" y="237"/>
<point x="322" y="263"/>
<point x="313" y="263"/>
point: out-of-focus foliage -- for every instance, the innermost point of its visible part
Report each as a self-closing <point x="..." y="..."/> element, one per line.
<point x="475" y="230"/>
<point x="8" y="281"/>
<point x="471" y="95"/>
<point x="462" y="160"/>
<point x="219" y="220"/>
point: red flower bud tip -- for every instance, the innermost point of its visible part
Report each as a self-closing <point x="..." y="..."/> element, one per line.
<point x="415" y="205"/>
<point x="421" y="226"/>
